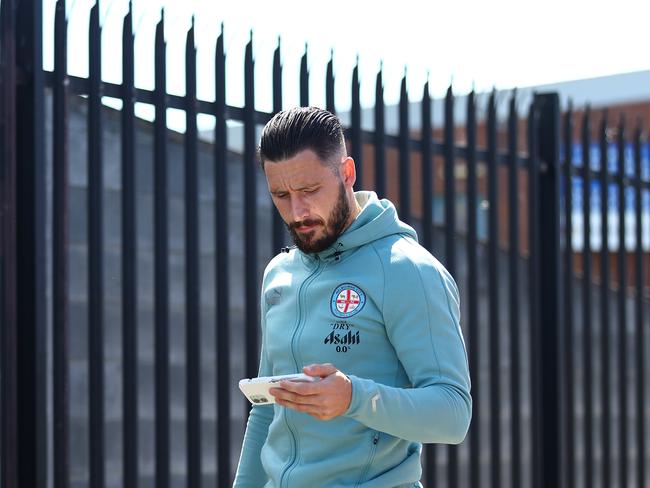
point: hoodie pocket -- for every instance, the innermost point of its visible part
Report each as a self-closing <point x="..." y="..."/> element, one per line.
<point x="371" y="457"/>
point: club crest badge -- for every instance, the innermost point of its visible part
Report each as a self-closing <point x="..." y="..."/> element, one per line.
<point x="347" y="300"/>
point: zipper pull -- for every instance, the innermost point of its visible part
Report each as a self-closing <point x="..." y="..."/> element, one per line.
<point x="376" y="439"/>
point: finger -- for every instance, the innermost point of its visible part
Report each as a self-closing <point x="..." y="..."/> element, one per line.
<point x="299" y="387"/>
<point x="286" y="395"/>
<point x="321" y="370"/>
<point x="296" y="403"/>
<point x="316" y="412"/>
<point x="298" y="407"/>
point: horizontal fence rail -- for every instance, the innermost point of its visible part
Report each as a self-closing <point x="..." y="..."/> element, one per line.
<point x="542" y="218"/>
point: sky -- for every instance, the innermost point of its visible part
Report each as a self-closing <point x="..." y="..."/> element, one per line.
<point x="501" y="43"/>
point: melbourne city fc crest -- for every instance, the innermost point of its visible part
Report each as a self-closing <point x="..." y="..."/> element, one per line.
<point x="347" y="300"/>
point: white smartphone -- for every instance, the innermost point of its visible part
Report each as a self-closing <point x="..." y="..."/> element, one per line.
<point x="257" y="389"/>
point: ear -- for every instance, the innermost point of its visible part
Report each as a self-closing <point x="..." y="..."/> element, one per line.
<point x="348" y="172"/>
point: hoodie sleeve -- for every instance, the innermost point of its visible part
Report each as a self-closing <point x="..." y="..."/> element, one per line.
<point x="421" y="313"/>
<point x="250" y="473"/>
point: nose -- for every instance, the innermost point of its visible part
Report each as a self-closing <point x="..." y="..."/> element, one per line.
<point x="299" y="209"/>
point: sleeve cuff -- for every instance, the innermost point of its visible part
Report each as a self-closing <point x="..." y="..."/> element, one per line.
<point x="363" y="391"/>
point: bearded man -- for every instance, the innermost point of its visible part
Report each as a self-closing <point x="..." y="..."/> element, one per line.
<point x="359" y="304"/>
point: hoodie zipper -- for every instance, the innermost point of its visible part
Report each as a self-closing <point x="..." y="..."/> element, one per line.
<point x="371" y="458"/>
<point x="299" y="324"/>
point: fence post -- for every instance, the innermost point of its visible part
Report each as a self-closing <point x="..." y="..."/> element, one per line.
<point x="549" y="324"/>
<point x="30" y="190"/>
<point x="22" y="260"/>
<point x="8" y="309"/>
<point x="24" y="135"/>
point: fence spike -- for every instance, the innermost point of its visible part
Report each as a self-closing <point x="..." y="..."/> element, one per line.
<point x="513" y="103"/>
<point x="304" y="80"/>
<point x="329" y="84"/>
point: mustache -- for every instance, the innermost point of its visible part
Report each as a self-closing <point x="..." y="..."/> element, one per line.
<point x="306" y="222"/>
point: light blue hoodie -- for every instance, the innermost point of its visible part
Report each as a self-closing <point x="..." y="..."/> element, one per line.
<point x="385" y="312"/>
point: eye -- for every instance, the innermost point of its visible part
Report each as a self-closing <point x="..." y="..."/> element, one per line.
<point x="311" y="190"/>
<point x="280" y="196"/>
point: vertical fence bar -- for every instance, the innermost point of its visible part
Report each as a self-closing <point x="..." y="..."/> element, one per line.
<point x="278" y="224"/>
<point x="450" y="184"/>
<point x="357" y="150"/>
<point x="30" y="238"/>
<point x="161" y="262"/>
<point x="472" y="295"/>
<point x="304" y="80"/>
<point x="250" y="212"/>
<point x="329" y="85"/>
<point x="192" y="287"/>
<point x="129" y="255"/>
<point x="95" y="257"/>
<point x="568" y="425"/>
<point x="622" y="312"/>
<point x="550" y="289"/>
<point x="534" y="269"/>
<point x="587" y="323"/>
<point x="427" y="171"/>
<point x="604" y="304"/>
<point x="404" y="155"/>
<point x="380" y="138"/>
<point x="9" y="442"/>
<point x="638" y="316"/>
<point x="60" y="313"/>
<point x="515" y="319"/>
<point x="221" y="251"/>
<point x="450" y="235"/>
<point x="427" y="219"/>
<point x="493" y="294"/>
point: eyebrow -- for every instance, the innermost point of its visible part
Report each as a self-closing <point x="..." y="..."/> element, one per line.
<point x="304" y="187"/>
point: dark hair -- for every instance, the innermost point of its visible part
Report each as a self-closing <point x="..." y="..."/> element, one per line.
<point x="301" y="128"/>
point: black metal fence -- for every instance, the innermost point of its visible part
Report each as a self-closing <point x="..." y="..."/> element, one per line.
<point x="558" y="379"/>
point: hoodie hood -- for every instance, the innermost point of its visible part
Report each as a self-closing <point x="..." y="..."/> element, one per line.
<point x="377" y="219"/>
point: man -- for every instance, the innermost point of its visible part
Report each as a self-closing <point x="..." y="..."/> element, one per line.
<point x="362" y="306"/>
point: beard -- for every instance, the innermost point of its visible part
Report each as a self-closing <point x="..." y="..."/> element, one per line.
<point x="332" y="229"/>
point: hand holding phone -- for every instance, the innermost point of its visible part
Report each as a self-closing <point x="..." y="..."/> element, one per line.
<point x="257" y="389"/>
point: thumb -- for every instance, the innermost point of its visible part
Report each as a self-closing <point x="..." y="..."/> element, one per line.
<point x="321" y="370"/>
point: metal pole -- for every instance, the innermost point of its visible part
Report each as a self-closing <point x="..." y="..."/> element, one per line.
<point x="30" y="246"/>
<point x="8" y="311"/>
<point x="60" y="241"/>
<point x="549" y="325"/>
